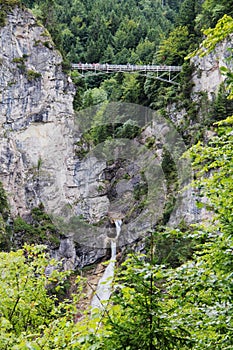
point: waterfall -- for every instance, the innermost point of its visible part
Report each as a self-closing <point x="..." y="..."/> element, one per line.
<point x="118" y="224"/>
<point x="103" y="290"/>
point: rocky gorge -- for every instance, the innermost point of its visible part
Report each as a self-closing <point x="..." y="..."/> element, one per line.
<point x="41" y="149"/>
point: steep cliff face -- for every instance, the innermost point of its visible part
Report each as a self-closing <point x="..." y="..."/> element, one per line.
<point x="206" y="81"/>
<point x="207" y="76"/>
<point x="35" y="115"/>
<point x="37" y="153"/>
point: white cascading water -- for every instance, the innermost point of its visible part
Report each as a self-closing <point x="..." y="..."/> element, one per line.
<point x="103" y="290"/>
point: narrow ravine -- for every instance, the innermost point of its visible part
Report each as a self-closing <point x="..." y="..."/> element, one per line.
<point x="103" y="290"/>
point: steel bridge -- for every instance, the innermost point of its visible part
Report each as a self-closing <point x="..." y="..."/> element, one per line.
<point x="164" y="73"/>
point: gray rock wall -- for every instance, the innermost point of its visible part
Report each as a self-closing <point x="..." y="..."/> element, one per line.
<point x="207" y="79"/>
<point x="37" y="153"/>
<point x="207" y="76"/>
<point x="36" y="115"/>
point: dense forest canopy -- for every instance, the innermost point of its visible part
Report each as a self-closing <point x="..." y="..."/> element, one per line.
<point x="122" y="31"/>
<point x="112" y="31"/>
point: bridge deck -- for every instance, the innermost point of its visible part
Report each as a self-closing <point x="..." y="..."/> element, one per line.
<point x="124" y="67"/>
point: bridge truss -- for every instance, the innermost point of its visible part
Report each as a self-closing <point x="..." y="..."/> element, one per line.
<point x="163" y="73"/>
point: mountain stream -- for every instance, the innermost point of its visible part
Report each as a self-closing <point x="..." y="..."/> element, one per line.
<point x="103" y="290"/>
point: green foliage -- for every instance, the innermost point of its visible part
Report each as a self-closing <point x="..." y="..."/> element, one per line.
<point x="80" y="82"/>
<point x="10" y="2"/>
<point x="94" y="96"/>
<point x="202" y="288"/>
<point x="128" y="130"/>
<point x="4" y="216"/>
<point x="173" y="247"/>
<point x="222" y="106"/>
<point x="187" y="14"/>
<point x="103" y="132"/>
<point x="130" y="89"/>
<point x="20" y="61"/>
<point x="140" y="190"/>
<point x="196" y="294"/>
<point x="5" y="7"/>
<point x="33" y="75"/>
<point x="223" y="28"/>
<point x="140" y="315"/>
<point x="5" y="235"/>
<point x="169" y="168"/>
<point x="40" y="230"/>
<point x="212" y="11"/>
<point x="31" y="316"/>
<point x="144" y="52"/>
<point x="118" y="32"/>
<point x="4" y="207"/>
<point x="113" y="89"/>
<point x="173" y="49"/>
<point x="229" y="81"/>
<point x="215" y="161"/>
<point x="168" y="208"/>
<point x="99" y="32"/>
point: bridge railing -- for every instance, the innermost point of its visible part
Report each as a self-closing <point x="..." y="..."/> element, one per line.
<point x="124" y="67"/>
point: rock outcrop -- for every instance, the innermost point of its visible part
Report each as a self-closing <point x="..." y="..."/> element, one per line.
<point x="36" y="115"/>
<point x="206" y="75"/>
